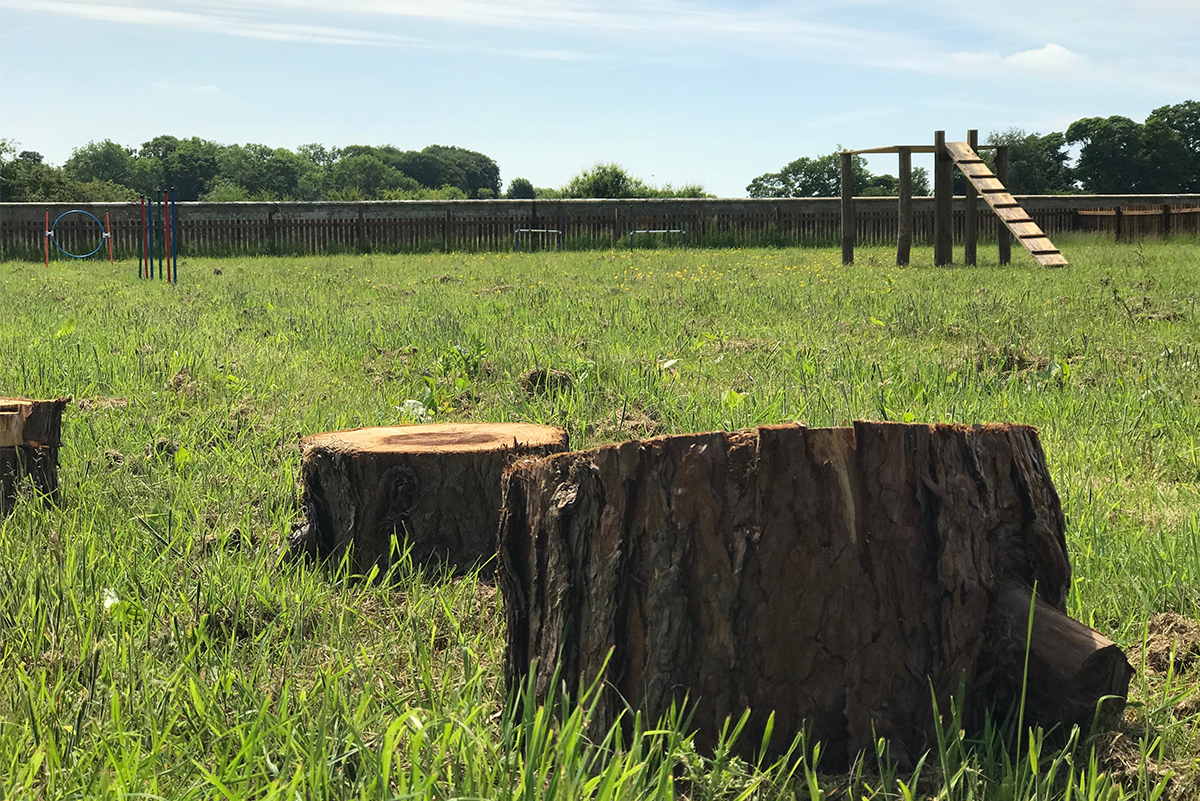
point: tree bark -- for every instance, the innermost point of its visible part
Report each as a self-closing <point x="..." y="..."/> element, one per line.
<point x="436" y="488"/>
<point x="839" y="577"/>
<point x="30" y="436"/>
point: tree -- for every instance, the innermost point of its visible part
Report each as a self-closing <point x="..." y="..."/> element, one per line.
<point x="101" y="161"/>
<point x="264" y="172"/>
<point x="432" y="170"/>
<point x="367" y="176"/>
<point x="318" y="154"/>
<point x="1113" y="158"/>
<point x="811" y="177"/>
<point x="189" y="165"/>
<point x="480" y="171"/>
<point x="1183" y="119"/>
<point x="1037" y="165"/>
<point x="605" y="181"/>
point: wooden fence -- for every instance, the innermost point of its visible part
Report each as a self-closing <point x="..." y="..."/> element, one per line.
<point x="489" y="225"/>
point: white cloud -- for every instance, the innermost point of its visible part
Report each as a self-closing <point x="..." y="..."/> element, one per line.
<point x="1051" y="58"/>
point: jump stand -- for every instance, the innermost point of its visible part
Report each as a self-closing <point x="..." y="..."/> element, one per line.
<point x="980" y="182"/>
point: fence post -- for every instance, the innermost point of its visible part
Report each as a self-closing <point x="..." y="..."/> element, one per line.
<point x="943" y="200"/>
<point x="849" y="223"/>
<point x="1166" y="220"/>
<point x="904" y="224"/>
<point x="1003" y="235"/>
<point x="971" y="227"/>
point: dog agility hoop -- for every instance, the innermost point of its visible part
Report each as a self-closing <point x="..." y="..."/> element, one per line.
<point x="105" y="235"/>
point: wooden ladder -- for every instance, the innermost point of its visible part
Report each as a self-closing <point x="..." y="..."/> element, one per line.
<point x="1006" y="206"/>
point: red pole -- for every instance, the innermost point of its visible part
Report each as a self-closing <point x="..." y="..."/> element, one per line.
<point x="47" y="237"/>
<point x="108" y="225"/>
<point x="167" y="231"/>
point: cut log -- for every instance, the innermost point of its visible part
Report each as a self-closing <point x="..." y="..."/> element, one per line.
<point x="436" y="488"/>
<point x="840" y="578"/>
<point x="1071" y="666"/>
<point x="30" y="436"/>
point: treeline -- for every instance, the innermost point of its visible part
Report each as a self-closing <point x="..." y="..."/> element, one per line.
<point x="200" y="169"/>
<point x="1116" y="156"/>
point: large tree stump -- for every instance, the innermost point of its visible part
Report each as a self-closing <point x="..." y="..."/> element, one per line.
<point x="436" y="488"/>
<point x="841" y="577"/>
<point x="30" y="436"/>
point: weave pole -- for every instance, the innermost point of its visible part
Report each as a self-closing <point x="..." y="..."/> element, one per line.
<point x="167" y="231"/>
<point x="143" y="244"/>
<point x="108" y="236"/>
<point x="174" y="238"/>
<point x="150" y="229"/>
<point x="47" y="237"/>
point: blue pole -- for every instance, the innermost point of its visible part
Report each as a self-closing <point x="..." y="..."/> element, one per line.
<point x="150" y="227"/>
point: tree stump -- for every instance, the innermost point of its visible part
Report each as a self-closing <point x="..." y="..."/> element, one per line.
<point x="839" y="577"/>
<point x="436" y="488"/>
<point x="30" y="436"/>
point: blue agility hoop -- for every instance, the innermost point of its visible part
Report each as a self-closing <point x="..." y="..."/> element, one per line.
<point x="54" y="238"/>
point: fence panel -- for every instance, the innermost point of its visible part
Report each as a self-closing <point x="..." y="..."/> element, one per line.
<point x="478" y="225"/>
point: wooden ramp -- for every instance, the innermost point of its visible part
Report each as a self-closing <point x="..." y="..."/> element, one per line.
<point x="1005" y="205"/>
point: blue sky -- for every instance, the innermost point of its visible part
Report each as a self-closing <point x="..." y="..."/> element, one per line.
<point x="676" y="91"/>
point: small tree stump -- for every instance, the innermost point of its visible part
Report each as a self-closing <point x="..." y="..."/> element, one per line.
<point x="30" y="436"/>
<point x="436" y="488"/>
<point x="841" y="577"/>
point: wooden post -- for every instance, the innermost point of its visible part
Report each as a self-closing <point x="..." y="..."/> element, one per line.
<point x="971" y="232"/>
<point x="1003" y="236"/>
<point x="1166" y="220"/>
<point x="943" y="200"/>
<point x="849" y="223"/>
<point x="904" y="228"/>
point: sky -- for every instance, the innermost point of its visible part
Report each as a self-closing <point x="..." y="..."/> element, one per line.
<point x="676" y="91"/>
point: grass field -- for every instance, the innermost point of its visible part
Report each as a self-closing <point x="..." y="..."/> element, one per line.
<point x="152" y="643"/>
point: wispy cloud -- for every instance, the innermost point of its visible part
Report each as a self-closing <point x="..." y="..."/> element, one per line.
<point x="225" y="24"/>
<point x="259" y="20"/>
<point x="942" y="37"/>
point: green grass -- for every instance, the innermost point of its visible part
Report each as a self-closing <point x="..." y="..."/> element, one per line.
<point x="150" y="642"/>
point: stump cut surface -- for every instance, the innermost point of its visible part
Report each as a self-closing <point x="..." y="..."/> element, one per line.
<point x="439" y="438"/>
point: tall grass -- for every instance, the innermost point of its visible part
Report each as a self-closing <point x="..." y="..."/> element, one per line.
<point x="152" y="642"/>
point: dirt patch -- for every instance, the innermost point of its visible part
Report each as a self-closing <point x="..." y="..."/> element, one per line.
<point x="100" y="404"/>
<point x="1172" y="643"/>
<point x="183" y="382"/>
<point x="388" y="365"/>
<point x="1004" y="360"/>
<point x="545" y="380"/>
<point x="1119" y="755"/>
